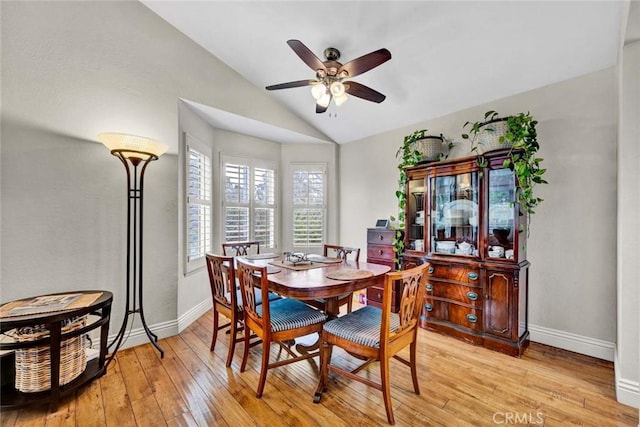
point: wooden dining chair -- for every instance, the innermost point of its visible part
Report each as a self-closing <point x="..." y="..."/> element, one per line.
<point x="377" y="334"/>
<point x="345" y="253"/>
<point x="279" y="321"/>
<point x="227" y="300"/>
<point x="240" y="248"/>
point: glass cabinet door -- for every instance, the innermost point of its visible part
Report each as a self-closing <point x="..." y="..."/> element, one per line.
<point x="454" y="214"/>
<point x="502" y="193"/>
<point x="415" y="218"/>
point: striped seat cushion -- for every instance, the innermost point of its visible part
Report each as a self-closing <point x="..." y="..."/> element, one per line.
<point x="361" y="326"/>
<point x="287" y="313"/>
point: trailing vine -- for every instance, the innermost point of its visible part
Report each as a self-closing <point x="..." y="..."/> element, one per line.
<point x="408" y="156"/>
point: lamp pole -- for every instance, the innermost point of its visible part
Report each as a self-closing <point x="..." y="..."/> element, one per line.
<point x="135" y="162"/>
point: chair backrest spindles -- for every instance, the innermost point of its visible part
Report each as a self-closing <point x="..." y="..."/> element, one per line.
<point x="221" y="278"/>
<point x="240" y="248"/>
<point x="413" y="284"/>
<point x="342" y="252"/>
<point x="248" y="274"/>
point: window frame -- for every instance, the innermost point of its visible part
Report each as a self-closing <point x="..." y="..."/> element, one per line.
<point x="252" y="205"/>
<point x="192" y="143"/>
<point x="309" y="167"/>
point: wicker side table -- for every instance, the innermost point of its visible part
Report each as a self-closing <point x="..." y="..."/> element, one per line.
<point x="10" y="397"/>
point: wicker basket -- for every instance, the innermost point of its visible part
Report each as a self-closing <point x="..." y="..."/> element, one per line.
<point x="490" y="133"/>
<point x="33" y="365"/>
<point x="430" y="147"/>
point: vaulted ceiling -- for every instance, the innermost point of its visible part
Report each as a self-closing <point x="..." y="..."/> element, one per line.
<point x="446" y="55"/>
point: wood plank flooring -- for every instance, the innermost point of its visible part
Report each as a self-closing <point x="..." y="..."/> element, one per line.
<point x="460" y="384"/>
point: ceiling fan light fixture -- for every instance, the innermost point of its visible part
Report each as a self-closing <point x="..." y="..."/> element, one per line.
<point x="318" y="90"/>
<point x="324" y="100"/>
<point x="339" y="100"/>
<point x="337" y="89"/>
<point x="330" y="75"/>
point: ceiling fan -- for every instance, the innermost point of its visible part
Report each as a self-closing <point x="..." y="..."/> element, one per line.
<point x="331" y="75"/>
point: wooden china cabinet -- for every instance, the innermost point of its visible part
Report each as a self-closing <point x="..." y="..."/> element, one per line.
<point x="463" y="220"/>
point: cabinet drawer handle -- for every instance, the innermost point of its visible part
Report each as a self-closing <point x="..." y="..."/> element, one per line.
<point x="380" y="252"/>
<point x="472" y="296"/>
<point x="428" y="307"/>
<point x="430" y="269"/>
<point x="429" y="287"/>
<point x="379" y="296"/>
<point x="380" y="236"/>
<point x="473" y="275"/>
<point x="472" y="318"/>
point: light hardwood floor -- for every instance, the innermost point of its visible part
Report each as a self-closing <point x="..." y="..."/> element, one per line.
<point x="460" y="385"/>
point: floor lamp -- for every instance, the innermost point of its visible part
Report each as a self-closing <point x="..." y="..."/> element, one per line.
<point x="135" y="153"/>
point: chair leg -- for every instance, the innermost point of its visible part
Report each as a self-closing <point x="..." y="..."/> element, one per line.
<point x="245" y="356"/>
<point x="215" y="329"/>
<point x="232" y="341"/>
<point x="325" y="359"/>
<point x="266" y="350"/>
<point x="414" y="368"/>
<point x="386" y="389"/>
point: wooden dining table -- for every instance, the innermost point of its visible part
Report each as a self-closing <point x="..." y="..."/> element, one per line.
<point x="312" y="283"/>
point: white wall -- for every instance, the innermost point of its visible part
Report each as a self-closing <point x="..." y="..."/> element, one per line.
<point x="64" y="220"/>
<point x="71" y="70"/>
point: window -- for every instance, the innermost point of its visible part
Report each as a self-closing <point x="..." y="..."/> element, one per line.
<point x="198" y="193"/>
<point x="309" y="206"/>
<point x="249" y="205"/>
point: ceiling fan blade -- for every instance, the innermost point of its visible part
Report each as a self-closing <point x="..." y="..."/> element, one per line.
<point x="366" y="62"/>
<point x="288" y="85"/>
<point x="364" y="92"/>
<point x="306" y="55"/>
<point x="320" y="108"/>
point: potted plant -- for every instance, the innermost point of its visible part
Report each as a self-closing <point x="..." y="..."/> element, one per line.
<point x="411" y="153"/>
<point x="518" y="134"/>
<point x="427" y="148"/>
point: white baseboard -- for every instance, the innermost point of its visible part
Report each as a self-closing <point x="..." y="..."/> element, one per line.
<point x="577" y="343"/>
<point x="194" y="314"/>
<point x="138" y="336"/>
<point x="627" y="391"/>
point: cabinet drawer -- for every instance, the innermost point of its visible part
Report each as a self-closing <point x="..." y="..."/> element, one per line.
<point x="434" y="310"/>
<point x="461" y="293"/>
<point x="456" y="272"/>
<point x="380" y="252"/>
<point x="467" y="317"/>
<point x="374" y="298"/>
<point x="380" y="237"/>
<point x="470" y="318"/>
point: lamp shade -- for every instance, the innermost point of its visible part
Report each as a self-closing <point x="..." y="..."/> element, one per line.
<point x="132" y="146"/>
